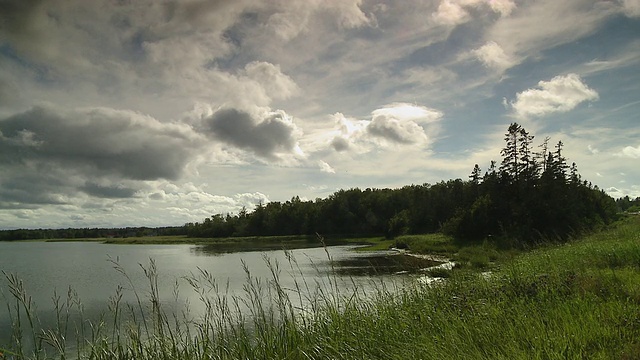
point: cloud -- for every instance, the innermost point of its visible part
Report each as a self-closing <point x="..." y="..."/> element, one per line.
<point x="324" y="167"/>
<point x="155" y="57"/>
<point x="271" y="135"/>
<point x="51" y="156"/>
<point x="269" y="76"/>
<point x="450" y="13"/>
<point x="399" y="124"/>
<point x="250" y="200"/>
<point x="108" y="191"/>
<point x="292" y="18"/>
<point x="193" y="202"/>
<point x="67" y="33"/>
<point x="309" y="57"/>
<point x="396" y="131"/>
<point x="408" y="112"/>
<point x="349" y="134"/>
<point x="560" y="94"/>
<point x="98" y="140"/>
<point x="631" y="8"/>
<point x="503" y="7"/>
<point x="339" y="143"/>
<point x="630" y="152"/>
<point x="22" y="189"/>
<point x="454" y="12"/>
<point x="541" y="25"/>
<point x="628" y="56"/>
<point x="493" y="56"/>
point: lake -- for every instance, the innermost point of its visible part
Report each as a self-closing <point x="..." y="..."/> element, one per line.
<point x="88" y="268"/>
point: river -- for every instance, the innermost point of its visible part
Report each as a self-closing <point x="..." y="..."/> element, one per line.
<point x="89" y="269"/>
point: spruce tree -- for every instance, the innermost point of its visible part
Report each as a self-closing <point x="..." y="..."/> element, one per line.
<point x="510" y="166"/>
<point x="475" y="176"/>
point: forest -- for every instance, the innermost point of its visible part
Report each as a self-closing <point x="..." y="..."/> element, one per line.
<point x="89" y="233"/>
<point x="531" y="195"/>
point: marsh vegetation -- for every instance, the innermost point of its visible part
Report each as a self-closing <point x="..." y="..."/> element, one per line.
<point x="574" y="300"/>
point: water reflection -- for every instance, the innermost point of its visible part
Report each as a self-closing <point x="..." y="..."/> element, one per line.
<point x="220" y="248"/>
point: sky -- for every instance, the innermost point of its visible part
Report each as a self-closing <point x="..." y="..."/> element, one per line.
<point x="162" y="112"/>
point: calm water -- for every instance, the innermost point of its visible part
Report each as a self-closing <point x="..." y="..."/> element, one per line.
<point x="88" y="268"/>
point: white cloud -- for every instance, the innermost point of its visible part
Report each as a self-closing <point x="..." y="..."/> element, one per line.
<point x="627" y="56"/>
<point x="250" y="200"/>
<point x="270" y="77"/>
<point x="560" y="94"/>
<point x="454" y="12"/>
<point x="396" y="130"/>
<point x="193" y="202"/>
<point x="631" y="152"/>
<point x="541" y="25"/>
<point x="292" y="18"/>
<point x="492" y="55"/>
<point x="349" y="134"/>
<point x="324" y="167"/>
<point x="396" y="124"/>
<point x="450" y="13"/>
<point x="349" y="13"/>
<point x="504" y="7"/>
<point x="632" y="191"/>
<point x="408" y="112"/>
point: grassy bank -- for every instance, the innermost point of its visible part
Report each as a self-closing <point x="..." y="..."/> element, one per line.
<point x="579" y="300"/>
<point x="420" y="244"/>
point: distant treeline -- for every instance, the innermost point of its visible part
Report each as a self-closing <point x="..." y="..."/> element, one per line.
<point x="628" y="205"/>
<point x="532" y="195"/>
<point x="90" y="233"/>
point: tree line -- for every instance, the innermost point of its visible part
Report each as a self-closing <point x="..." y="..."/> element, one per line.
<point x="89" y="233"/>
<point x="532" y="195"/>
<point x="627" y="204"/>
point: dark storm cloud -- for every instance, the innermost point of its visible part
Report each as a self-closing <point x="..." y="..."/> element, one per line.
<point x="8" y="93"/>
<point x="15" y="15"/>
<point x="110" y="192"/>
<point x="100" y="141"/>
<point x="49" y="156"/>
<point x="266" y="138"/>
<point x="32" y="186"/>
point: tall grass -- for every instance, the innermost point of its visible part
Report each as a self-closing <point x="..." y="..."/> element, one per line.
<point x="580" y="300"/>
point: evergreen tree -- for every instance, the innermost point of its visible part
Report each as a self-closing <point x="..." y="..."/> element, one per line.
<point x="476" y="176"/>
<point x="544" y="152"/>
<point x="528" y="164"/>
<point x="510" y="166"/>
<point x="559" y="167"/>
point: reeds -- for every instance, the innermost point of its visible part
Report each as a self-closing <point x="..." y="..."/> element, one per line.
<point x="574" y="301"/>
